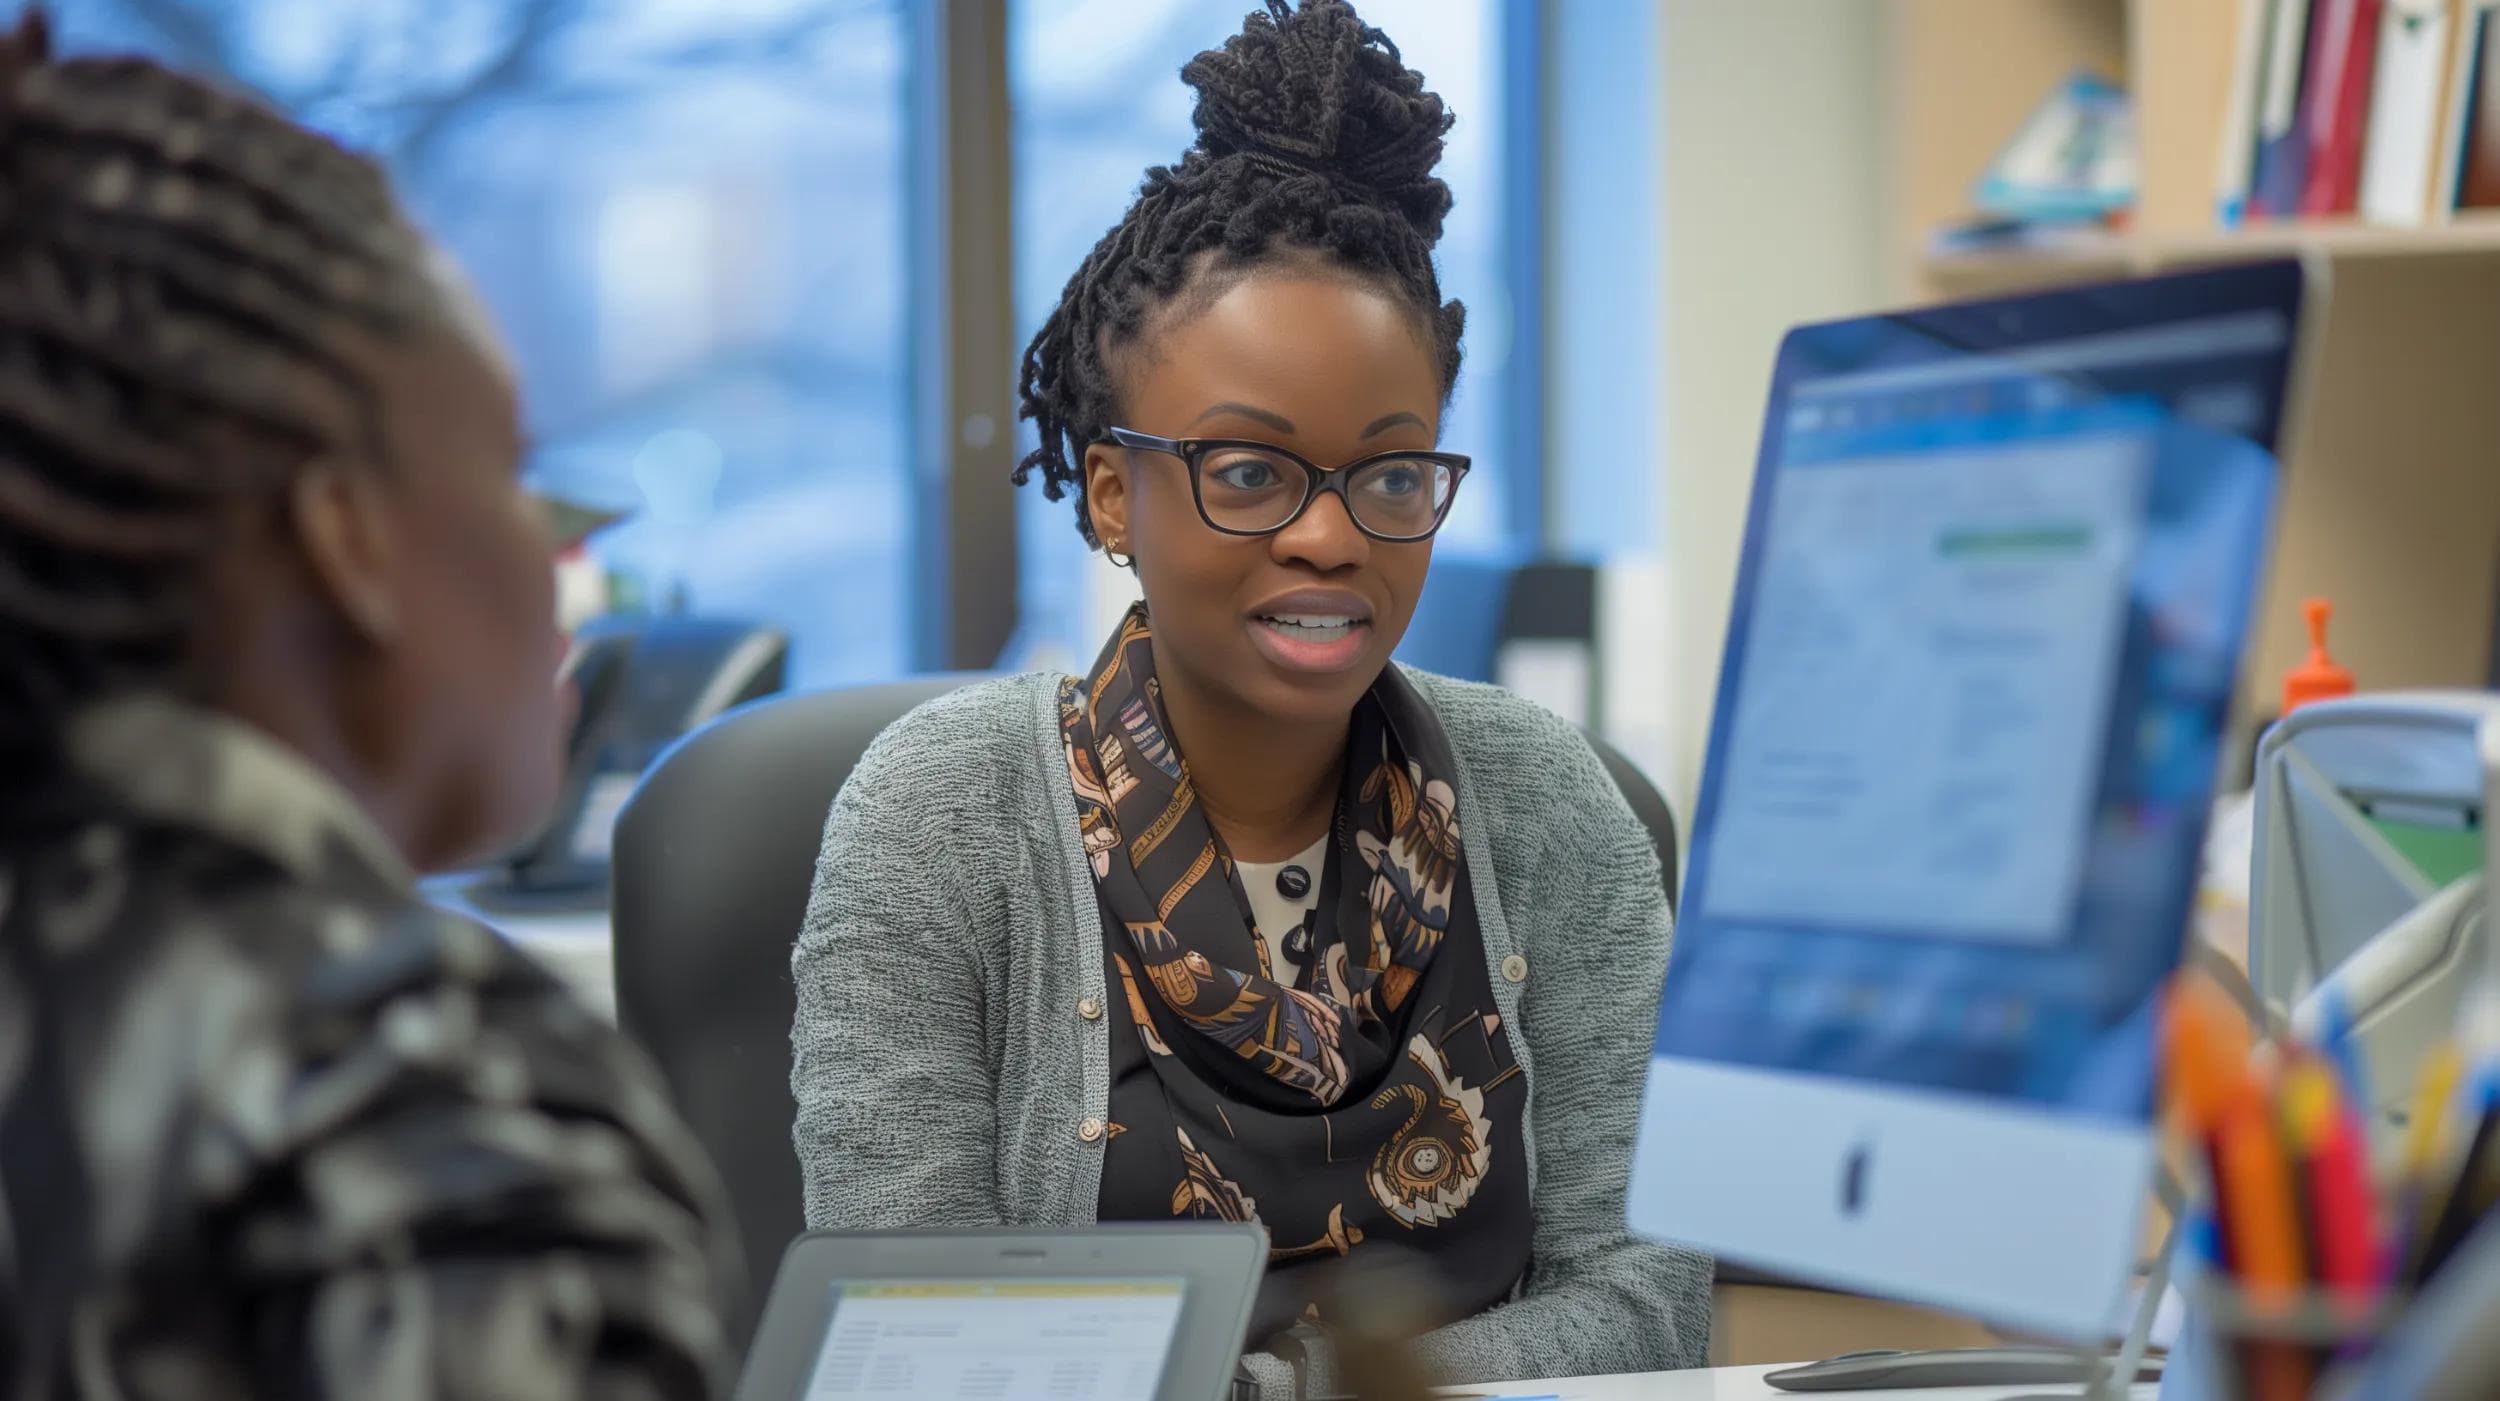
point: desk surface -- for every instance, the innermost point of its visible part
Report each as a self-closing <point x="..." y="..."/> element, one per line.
<point x="1743" y="1384"/>
<point x="574" y="944"/>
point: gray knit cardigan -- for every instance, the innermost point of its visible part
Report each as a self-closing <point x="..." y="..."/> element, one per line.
<point x="951" y="1056"/>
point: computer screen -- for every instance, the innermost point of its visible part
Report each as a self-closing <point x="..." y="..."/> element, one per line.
<point x="977" y="1340"/>
<point x="1996" y="588"/>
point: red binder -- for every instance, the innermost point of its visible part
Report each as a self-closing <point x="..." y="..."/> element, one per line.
<point x="2335" y="108"/>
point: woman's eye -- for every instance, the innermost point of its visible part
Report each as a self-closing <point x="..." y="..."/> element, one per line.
<point x="1249" y="475"/>
<point x="1399" y="481"/>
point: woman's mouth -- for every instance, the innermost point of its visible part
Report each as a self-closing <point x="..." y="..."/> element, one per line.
<point x="1317" y="643"/>
<point x="1311" y="627"/>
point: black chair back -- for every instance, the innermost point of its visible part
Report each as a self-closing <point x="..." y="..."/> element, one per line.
<point x="714" y="857"/>
<point x="1648" y="804"/>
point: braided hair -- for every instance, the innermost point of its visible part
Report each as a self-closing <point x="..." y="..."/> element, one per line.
<point x="1316" y="146"/>
<point x="176" y="267"/>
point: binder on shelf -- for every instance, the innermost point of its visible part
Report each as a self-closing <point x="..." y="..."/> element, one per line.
<point x="2474" y="110"/>
<point x="2400" y="158"/>
<point x="2343" y="47"/>
<point x="2235" y="155"/>
<point x="2282" y="143"/>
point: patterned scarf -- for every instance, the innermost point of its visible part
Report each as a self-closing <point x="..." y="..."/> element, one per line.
<point x="1372" y="1099"/>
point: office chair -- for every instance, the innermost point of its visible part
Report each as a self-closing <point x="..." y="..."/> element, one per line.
<point x="1648" y="804"/>
<point x="714" y="855"/>
<point x="713" y="859"/>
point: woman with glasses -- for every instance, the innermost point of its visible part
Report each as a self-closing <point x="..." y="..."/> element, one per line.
<point x="1248" y="923"/>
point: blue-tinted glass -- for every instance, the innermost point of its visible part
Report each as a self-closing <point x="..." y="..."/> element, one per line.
<point x="1098" y="98"/>
<point x="687" y="217"/>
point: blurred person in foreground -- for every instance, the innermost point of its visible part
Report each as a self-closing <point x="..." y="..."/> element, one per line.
<point x="277" y="631"/>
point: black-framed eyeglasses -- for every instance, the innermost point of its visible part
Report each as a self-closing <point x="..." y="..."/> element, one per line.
<point x="1246" y="487"/>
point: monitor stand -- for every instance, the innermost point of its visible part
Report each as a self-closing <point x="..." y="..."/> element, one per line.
<point x="2118" y="1381"/>
<point x="2111" y="1380"/>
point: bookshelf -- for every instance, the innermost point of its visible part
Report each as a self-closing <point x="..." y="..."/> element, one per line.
<point x="2391" y="505"/>
<point x="2119" y="255"/>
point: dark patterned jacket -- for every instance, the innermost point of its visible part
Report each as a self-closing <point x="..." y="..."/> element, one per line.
<point x="271" y="1127"/>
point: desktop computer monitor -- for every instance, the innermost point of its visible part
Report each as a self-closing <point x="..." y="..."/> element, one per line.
<point x="1996" y="582"/>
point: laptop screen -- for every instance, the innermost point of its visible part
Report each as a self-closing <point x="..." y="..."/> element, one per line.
<point x="979" y="1340"/>
<point x="1993" y="601"/>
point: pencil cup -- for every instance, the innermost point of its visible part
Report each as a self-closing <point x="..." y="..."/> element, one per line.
<point x="2239" y="1346"/>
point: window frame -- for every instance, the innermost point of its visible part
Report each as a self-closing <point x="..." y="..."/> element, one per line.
<point x="960" y="193"/>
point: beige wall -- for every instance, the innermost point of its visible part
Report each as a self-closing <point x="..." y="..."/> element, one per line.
<point x="1774" y="215"/>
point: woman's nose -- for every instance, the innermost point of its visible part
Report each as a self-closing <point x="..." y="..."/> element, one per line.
<point x="1324" y="537"/>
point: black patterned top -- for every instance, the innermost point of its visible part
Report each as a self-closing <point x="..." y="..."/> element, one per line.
<point x="269" y="1126"/>
<point x="1365" y="1106"/>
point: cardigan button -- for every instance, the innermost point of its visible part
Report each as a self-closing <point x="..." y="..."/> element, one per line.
<point x="1089" y="1008"/>
<point x="1090" y="1131"/>
<point x="1514" y="969"/>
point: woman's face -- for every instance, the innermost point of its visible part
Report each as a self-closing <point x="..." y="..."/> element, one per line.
<point x="468" y="679"/>
<point x="1325" y="367"/>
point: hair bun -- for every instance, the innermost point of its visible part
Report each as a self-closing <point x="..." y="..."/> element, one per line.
<point x="1311" y="90"/>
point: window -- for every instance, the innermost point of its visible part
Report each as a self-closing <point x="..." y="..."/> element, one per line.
<point x="692" y="218"/>
<point x="1097" y="98"/>
<point x="688" y="218"/>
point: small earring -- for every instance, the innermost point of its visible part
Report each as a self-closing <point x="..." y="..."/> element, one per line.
<point x="1111" y="551"/>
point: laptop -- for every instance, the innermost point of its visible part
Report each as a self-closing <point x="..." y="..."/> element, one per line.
<point x="1111" y="1313"/>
